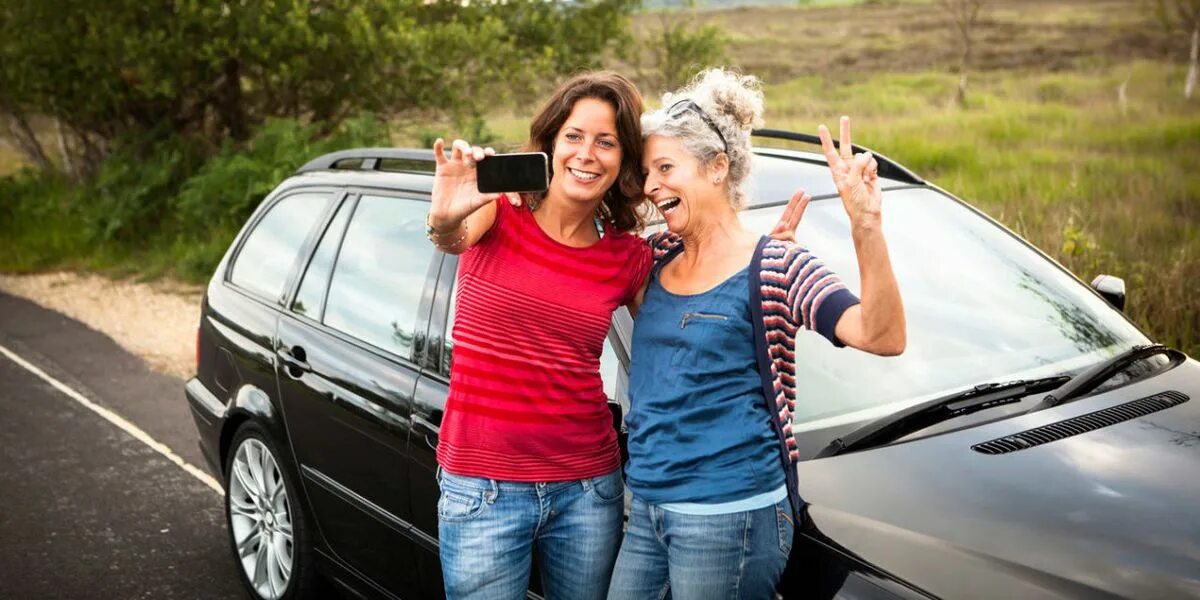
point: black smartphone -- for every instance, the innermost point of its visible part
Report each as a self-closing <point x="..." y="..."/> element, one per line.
<point x="519" y="172"/>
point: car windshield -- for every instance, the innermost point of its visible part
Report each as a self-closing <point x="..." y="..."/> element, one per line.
<point x="981" y="307"/>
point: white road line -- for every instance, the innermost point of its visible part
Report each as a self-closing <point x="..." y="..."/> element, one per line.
<point x="117" y="420"/>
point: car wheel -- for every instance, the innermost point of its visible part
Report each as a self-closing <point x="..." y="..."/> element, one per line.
<point x="266" y="525"/>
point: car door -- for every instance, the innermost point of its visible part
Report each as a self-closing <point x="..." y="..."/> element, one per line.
<point x="240" y="320"/>
<point x="347" y="349"/>
<point x="429" y="405"/>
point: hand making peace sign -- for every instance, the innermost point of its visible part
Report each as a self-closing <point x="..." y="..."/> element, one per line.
<point x="856" y="176"/>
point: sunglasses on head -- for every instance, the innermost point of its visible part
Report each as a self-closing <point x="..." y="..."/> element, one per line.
<point x="684" y="106"/>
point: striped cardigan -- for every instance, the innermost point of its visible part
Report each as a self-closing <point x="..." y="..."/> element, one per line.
<point x="789" y="289"/>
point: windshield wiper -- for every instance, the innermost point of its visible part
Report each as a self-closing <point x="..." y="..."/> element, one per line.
<point x="1087" y="380"/>
<point x="930" y="412"/>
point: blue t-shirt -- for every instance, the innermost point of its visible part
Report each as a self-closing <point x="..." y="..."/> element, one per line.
<point x="699" y="430"/>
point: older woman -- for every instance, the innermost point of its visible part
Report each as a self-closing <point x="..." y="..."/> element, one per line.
<point x="711" y="382"/>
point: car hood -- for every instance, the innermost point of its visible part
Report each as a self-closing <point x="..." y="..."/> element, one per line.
<point x="1113" y="512"/>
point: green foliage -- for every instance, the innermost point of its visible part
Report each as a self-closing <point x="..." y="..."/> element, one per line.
<point x="214" y="70"/>
<point x="230" y="185"/>
<point x="680" y="47"/>
<point x="1077" y="242"/>
<point x="478" y="132"/>
<point x="427" y="137"/>
<point x="1098" y="188"/>
<point x="159" y="208"/>
<point x="474" y="129"/>
<point x="130" y="197"/>
<point x="39" y="225"/>
<point x="685" y="50"/>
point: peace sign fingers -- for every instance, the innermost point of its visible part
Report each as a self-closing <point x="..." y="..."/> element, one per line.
<point x="831" y="154"/>
<point x="844" y="144"/>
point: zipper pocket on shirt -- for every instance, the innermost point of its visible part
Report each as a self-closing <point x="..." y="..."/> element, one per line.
<point x="698" y="315"/>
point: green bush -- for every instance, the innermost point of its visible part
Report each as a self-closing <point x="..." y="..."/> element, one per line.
<point x="686" y="48"/>
<point x="131" y="194"/>
<point x="679" y="48"/>
<point x="39" y="221"/>
<point x="229" y="186"/>
<point x="159" y="208"/>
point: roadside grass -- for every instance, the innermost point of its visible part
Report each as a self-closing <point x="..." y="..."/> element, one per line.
<point x="1054" y="157"/>
<point x="780" y="44"/>
<point x="161" y="213"/>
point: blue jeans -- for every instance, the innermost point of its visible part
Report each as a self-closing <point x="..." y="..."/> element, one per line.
<point x="489" y="530"/>
<point x="667" y="554"/>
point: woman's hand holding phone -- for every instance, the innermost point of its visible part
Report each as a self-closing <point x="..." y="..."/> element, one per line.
<point x="455" y="196"/>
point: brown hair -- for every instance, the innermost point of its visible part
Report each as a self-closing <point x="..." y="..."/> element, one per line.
<point x="621" y="201"/>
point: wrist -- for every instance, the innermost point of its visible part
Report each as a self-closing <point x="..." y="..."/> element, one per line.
<point x="441" y="225"/>
<point x="447" y="240"/>
<point x="867" y="222"/>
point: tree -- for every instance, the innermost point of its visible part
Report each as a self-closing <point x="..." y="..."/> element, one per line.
<point x="681" y="47"/>
<point x="1185" y="14"/>
<point x="213" y="70"/>
<point x="964" y="15"/>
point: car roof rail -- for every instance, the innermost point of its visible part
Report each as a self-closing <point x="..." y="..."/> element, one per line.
<point x="373" y="159"/>
<point x="887" y="167"/>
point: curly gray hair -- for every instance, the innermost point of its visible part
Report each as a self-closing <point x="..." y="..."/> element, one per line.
<point x="734" y="104"/>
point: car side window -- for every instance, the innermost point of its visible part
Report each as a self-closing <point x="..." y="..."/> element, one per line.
<point x="610" y="363"/>
<point x="270" y="250"/>
<point x="316" y="276"/>
<point x="380" y="273"/>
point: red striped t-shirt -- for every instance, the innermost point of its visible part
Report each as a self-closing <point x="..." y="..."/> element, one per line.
<point x="526" y="401"/>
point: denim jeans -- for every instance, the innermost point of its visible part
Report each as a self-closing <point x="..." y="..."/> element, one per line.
<point x="488" y="531"/>
<point x="673" y="555"/>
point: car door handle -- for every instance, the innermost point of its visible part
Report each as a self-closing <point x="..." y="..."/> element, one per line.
<point x="428" y="429"/>
<point x="294" y="362"/>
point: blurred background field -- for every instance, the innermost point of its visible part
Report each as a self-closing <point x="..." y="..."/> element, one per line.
<point x="1076" y="134"/>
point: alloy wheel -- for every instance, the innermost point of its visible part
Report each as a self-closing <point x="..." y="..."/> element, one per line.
<point x="260" y="519"/>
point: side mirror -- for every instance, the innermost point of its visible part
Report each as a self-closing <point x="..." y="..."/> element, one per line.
<point x="1112" y="289"/>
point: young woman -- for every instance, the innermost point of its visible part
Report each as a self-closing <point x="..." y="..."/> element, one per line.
<point x="710" y="461"/>
<point x="529" y="459"/>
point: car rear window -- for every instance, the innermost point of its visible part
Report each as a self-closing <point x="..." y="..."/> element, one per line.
<point x="271" y="248"/>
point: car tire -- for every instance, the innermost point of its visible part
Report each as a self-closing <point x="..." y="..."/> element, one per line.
<point x="268" y="532"/>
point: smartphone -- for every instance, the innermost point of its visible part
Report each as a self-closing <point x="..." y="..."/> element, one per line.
<point x="519" y="172"/>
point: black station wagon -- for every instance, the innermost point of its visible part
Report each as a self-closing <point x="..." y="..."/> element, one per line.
<point x="1030" y="443"/>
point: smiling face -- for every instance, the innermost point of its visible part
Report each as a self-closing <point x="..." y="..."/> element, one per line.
<point x="587" y="153"/>
<point x="682" y="189"/>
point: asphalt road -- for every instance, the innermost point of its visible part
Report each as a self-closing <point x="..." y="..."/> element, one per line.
<point x="88" y="510"/>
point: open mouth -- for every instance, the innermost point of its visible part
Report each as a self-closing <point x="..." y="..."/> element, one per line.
<point x="583" y="175"/>
<point x="666" y="206"/>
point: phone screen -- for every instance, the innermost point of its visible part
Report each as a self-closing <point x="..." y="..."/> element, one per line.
<point x="521" y="172"/>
